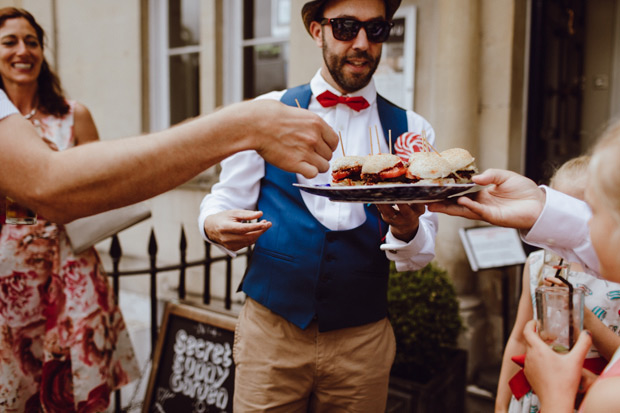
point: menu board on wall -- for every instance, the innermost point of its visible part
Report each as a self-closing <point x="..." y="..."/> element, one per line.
<point x="492" y="247"/>
<point x="193" y="369"/>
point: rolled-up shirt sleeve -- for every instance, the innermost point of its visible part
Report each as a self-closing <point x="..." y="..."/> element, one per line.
<point x="563" y="228"/>
<point x="415" y="254"/>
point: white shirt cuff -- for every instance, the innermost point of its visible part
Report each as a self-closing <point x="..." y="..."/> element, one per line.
<point x="561" y="222"/>
<point x="412" y="255"/>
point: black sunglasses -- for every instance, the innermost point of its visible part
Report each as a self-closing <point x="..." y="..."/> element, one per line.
<point x="377" y="31"/>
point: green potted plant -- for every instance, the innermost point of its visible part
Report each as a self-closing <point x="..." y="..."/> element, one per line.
<point x="429" y="371"/>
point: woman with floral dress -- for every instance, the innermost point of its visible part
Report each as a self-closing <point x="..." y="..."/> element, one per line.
<point x="64" y="346"/>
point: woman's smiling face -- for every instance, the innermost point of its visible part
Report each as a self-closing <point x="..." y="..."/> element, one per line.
<point x="21" y="53"/>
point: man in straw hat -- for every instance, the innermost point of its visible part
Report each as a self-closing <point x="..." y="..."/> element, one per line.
<point x="313" y="333"/>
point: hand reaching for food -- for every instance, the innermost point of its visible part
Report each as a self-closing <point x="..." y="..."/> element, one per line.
<point x="234" y="229"/>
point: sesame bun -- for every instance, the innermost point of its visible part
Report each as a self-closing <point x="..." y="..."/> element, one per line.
<point x="348" y="162"/>
<point x="428" y="165"/>
<point x="460" y="159"/>
<point x="380" y="162"/>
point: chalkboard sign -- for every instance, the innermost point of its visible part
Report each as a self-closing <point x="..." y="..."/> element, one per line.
<point x="193" y="369"/>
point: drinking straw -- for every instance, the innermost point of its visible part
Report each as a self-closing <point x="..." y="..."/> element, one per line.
<point x="571" y="328"/>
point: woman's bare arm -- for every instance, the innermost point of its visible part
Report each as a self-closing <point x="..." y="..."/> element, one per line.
<point x="103" y="175"/>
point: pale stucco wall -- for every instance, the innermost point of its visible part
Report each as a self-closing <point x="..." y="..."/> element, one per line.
<point x="99" y="61"/>
<point x="97" y="47"/>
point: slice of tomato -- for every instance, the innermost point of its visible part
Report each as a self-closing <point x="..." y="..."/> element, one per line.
<point x="338" y="175"/>
<point x="393" y="172"/>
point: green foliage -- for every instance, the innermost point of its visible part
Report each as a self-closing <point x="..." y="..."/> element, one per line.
<point x="424" y="313"/>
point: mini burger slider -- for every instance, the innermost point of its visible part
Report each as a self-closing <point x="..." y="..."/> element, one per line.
<point x="347" y="170"/>
<point x="429" y="167"/>
<point x="383" y="168"/>
<point x="462" y="163"/>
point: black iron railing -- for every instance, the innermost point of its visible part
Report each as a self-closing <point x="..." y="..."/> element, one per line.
<point x="153" y="270"/>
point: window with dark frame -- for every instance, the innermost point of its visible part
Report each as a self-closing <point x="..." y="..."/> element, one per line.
<point x="266" y="29"/>
<point x="183" y="59"/>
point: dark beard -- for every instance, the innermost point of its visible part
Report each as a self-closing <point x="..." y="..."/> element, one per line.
<point x="350" y="83"/>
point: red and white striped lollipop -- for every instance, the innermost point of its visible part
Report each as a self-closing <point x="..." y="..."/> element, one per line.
<point x="408" y="143"/>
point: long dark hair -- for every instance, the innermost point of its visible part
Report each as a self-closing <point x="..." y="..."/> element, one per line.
<point x="51" y="96"/>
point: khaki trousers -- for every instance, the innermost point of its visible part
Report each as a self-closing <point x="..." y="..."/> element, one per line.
<point x="282" y="368"/>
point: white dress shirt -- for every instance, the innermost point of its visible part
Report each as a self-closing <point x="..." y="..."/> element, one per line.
<point x="563" y="228"/>
<point x="241" y="174"/>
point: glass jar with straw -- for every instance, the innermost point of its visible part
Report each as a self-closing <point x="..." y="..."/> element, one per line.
<point x="559" y="311"/>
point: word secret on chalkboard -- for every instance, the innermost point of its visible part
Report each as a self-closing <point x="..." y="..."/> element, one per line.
<point x="199" y="369"/>
<point x="193" y="365"/>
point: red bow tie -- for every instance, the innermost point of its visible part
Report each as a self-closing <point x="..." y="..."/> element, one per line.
<point x="327" y="99"/>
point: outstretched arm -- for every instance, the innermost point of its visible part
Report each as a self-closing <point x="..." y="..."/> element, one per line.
<point x="512" y="200"/>
<point x="99" y="176"/>
<point x="509" y="200"/>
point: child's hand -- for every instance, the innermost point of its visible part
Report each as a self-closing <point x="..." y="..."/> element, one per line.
<point x="554" y="377"/>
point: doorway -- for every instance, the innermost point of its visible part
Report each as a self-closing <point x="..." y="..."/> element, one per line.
<point x="555" y="90"/>
<point x="574" y="80"/>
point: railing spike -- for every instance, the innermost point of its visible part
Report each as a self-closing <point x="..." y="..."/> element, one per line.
<point x="115" y="253"/>
<point x="206" y="291"/>
<point x="152" y="243"/>
<point x="183" y="245"/>
<point x="153" y="286"/>
<point x="183" y="263"/>
<point x="115" y="248"/>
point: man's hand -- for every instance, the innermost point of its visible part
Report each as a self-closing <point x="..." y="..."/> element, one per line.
<point x="404" y="219"/>
<point x="231" y="230"/>
<point x="554" y="377"/>
<point x="510" y="200"/>
<point x="293" y="139"/>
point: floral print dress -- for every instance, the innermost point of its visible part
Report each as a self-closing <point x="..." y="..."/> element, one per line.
<point x="64" y="346"/>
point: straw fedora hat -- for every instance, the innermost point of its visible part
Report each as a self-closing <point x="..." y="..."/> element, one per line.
<point x="311" y="8"/>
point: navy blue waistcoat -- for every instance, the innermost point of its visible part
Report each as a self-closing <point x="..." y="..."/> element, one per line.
<point x="300" y="269"/>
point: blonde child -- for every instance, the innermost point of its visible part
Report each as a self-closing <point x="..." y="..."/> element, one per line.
<point x="570" y="179"/>
<point x="556" y="378"/>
